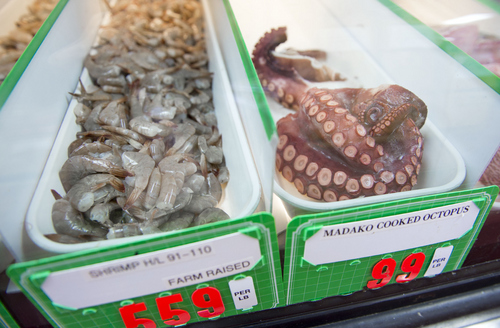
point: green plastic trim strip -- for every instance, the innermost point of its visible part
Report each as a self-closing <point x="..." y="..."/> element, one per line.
<point x="491" y="4"/>
<point x="458" y="54"/>
<point x="6" y="320"/>
<point x="258" y="93"/>
<point x="17" y="71"/>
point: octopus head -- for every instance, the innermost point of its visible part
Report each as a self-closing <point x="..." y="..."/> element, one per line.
<point x="381" y="110"/>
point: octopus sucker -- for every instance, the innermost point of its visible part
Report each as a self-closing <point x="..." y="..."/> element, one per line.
<point x="300" y="163"/>
<point x="338" y="139"/>
<point x="360" y="130"/>
<point x="365" y="159"/>
<point x="281" y="93"/>
<point x="380" y="188"/>
<point x="288" y="173"/>
<point x="367" y="181"/>
<point x="350" y="151"/>
<point x="328" y="126"/>
<point x="283" y="140"/>
<point x="320" y="117"/>
<point x="324" y="177"/>
<point x="314" y="191"/>
<point x="278" y="162"/>
<point x="409" y="169"/>
<point x="330" y="196"/>
<point x="377" y="167"/>
<point x="312" y="168"/>
<point x="342" y="143"/>
<point x="289" y="153"/>
<point x="370" y="142"/>
<point x="401" y="178"/>
<point x="325" y="98"/>
<point x="339" y="178"/>
<point x="387" y="176"/>
<point x="299" y="184"/>
<point x="406" y="188"/>
<point x="313" y="110"/>
<point x="352" y="186"/>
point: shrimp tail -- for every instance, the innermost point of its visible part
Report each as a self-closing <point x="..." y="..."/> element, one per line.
<point x="55" y="194"/>
<point x="132" y="198"/>
<point x="121" y="173"/>
<point x="117" y="184"/>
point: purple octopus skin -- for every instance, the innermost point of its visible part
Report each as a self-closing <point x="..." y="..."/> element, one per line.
<point x="344" y="143"/>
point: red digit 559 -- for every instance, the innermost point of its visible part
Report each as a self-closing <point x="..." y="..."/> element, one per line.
<point x="383" y="271"/>
<point x="208" y="298"/>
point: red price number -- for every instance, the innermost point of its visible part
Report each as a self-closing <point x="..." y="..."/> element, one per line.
<point x="208" y="298"/>
<point x="383" y="271"/>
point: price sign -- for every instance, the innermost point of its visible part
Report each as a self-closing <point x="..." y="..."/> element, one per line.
<point x="371" y="246"/>
<point x="200" y="273"/>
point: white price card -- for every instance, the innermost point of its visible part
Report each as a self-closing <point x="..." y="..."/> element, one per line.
<point x="243" y="293"/>
<point x="356" y="240"/>
<point x="153" y="272"/>
<point x="439" y="261"/>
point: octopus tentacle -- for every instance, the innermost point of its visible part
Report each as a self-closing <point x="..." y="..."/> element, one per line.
<point x="276" y="78"/>
<point x="330" y="155"/>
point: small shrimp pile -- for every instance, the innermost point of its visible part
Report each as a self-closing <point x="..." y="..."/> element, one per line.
<point x="149" y="157"/>
<point x="13" y="44"/>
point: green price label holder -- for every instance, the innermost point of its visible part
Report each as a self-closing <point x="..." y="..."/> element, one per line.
<point x="201" y="273"/>
<point x="368" y="247"/>
<point x="6" y="319"/>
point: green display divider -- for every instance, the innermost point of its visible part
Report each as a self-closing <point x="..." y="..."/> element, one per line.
<point x="20" y="66"/>
<point x="196" y="274"/>
<point x="6" y="319"/>
<point x="368" y="247"/>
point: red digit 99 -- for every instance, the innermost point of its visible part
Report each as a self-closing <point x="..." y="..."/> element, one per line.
<point x="383" y="271"/>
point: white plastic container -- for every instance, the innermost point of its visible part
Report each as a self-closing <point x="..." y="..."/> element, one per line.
<point x="314" y="26"/>
<point x="241" y="195"/>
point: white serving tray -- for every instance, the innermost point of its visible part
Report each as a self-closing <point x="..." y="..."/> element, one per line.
<point x="443" y="168"/>
<point x="241" y="195"/>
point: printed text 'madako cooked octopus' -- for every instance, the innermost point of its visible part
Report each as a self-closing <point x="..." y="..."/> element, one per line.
<point x="342" y="143"/>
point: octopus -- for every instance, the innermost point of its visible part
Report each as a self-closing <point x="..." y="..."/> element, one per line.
<point x="342" y="143"/>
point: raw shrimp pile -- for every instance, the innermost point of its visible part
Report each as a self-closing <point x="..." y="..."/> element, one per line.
<point x="13" y="43"/>
<point x="149" y="157"/>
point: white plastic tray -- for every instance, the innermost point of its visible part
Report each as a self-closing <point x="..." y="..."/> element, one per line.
<point x="241" y="195"/>
<point x="443" y="168"/>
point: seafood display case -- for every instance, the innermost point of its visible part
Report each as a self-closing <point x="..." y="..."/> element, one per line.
<point x="200" y="143"/>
